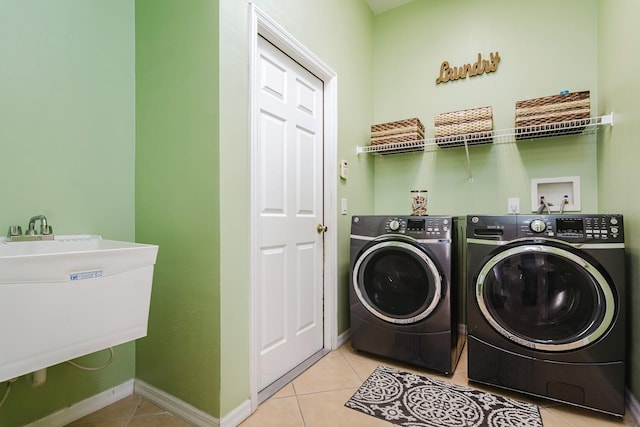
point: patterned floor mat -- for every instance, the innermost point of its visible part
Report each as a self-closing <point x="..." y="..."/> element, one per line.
<point x="407" y="399"/>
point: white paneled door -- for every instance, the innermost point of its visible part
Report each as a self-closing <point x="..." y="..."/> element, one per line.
<point x="289" y="211"/>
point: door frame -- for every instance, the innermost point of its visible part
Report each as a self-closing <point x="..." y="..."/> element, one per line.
<point x="262" y="25"/>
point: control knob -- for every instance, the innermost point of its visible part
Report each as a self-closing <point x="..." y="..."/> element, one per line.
<point x="394" y="225"/>
<point x="537" y="226"/>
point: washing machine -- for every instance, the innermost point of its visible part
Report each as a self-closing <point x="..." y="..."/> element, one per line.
<point x="406" y="295"/>
<point x="546" y="306"/>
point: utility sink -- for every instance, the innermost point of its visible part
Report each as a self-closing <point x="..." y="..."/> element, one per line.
<point x="70" y="296"/>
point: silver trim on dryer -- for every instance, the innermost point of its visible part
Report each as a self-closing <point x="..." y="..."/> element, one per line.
<point x="424" y="257"/>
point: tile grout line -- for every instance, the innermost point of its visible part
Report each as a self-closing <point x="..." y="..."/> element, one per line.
<point x="295" y="393"/>
<point x="355" y="371"/>
<point x="133" y="414"/>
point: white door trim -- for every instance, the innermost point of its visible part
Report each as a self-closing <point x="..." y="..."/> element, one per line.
<point x="262" y="25"/>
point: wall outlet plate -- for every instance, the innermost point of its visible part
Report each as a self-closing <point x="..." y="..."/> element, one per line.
<point x="513" y="205"/>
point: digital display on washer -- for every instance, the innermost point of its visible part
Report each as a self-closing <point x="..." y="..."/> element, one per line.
<point x="569" y="226"/>
<point x="415" y="224"/>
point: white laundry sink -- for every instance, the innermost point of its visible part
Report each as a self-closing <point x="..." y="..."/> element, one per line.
<point x="71" y="296"/>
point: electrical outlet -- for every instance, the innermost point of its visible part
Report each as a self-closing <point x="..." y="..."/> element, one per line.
<point x="513" y="205"/>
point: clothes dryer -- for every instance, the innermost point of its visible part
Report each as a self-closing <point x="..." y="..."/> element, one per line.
<point x="546" y="312"/>
<point x="406" y="296"/>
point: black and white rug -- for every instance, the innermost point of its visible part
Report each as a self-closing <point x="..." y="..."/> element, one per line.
<point x="412" y="400"/>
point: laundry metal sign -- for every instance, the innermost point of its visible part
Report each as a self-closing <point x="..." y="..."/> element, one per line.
<point x="481" y="66"/>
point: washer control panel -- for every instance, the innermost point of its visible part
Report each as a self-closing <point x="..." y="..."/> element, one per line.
<point x="419" y="226"/>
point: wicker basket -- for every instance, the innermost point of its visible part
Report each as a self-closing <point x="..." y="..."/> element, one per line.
<point x="563" y="114"/>
<point x="398" y="131"/>
<point x="456" y="128"/>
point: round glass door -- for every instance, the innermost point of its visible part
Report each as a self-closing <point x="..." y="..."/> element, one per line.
<point x="545" y="297"/>
<point x="397" y="282"/>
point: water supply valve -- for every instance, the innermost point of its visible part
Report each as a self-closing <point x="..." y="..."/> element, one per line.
<point x="14" y="230"/>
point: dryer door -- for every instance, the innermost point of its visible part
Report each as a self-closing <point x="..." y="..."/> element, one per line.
<point x="397" y="281"/>
<point x="545" y="297"/>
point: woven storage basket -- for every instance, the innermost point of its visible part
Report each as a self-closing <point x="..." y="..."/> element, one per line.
<point x="562" y="114"/>
<point x="472" y="126"/>
<point x="398" y="131"/>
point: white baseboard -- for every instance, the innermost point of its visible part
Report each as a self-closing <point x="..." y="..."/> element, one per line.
<point x="175" y="406"/>
<point x="633" y="406"/>
<point x="164" y="400"/>
<point x="86" y="406"/>
<point x="190" y="413"/>
<point x="238" y="415"/>
<point x="343" y="338"/>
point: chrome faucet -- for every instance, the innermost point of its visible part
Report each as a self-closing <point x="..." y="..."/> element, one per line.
<point x="46" y="232"/>
<point x="44" y="228"/>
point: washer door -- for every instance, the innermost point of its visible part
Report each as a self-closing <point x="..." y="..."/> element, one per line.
<point x="397" y="281"/>
<point x="545" y="297"/>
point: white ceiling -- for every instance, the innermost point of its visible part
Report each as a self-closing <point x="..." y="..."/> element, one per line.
<point x="379" y="6"/>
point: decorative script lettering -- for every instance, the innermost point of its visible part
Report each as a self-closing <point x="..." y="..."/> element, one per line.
<point x="481" y="66"/>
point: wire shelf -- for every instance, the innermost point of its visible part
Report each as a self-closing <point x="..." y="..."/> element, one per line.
<point x="573" y="127"/>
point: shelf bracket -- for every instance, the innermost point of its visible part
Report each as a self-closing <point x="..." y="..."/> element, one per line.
<point x="466" y="150"/>
<point x="607" y="120"/>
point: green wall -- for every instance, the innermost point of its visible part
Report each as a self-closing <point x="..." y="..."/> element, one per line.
<point x="67" y="129"/>
<point x="545" y="46"/>
<point x="618" y="149"/>
<point x="177" y="196"/>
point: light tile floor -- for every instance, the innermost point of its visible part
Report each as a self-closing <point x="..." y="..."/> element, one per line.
<point x="316" y="399"/>
<point x="132" y="411"/>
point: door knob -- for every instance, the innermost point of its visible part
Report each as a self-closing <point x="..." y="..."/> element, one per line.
<point x="320" y="228"/>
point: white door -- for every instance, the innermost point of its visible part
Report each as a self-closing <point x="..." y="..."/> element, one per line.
<point x="289" y="204"/>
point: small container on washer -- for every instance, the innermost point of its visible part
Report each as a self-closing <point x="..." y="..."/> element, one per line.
<point x="418" y="202"/>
